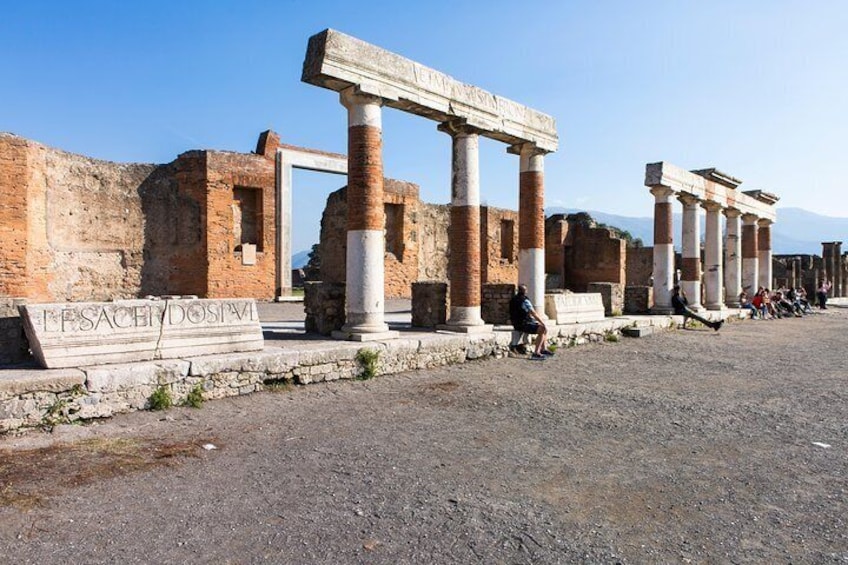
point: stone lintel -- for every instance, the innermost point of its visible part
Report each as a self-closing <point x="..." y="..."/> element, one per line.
<point x="683" y="181"/>
<point x="721" y="178"/>
<point x="338" y="61"/>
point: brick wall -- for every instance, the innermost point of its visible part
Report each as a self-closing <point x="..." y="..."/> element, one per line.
<point x="640" y="266"/>
<point x="13" y="215"/>
<point x="499" y="242"/>
<point x="595" y="255"/>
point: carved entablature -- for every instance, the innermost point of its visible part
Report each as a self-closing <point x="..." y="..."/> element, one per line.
<point x="338" y="61"/>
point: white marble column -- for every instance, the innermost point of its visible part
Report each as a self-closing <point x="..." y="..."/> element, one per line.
<point x="764" y="252"/>
<point x="464" y="232"/>
<point x="750" y="264"/>
<point x="663" y="269"/>
<point x="531" y="224"/>
<point x="690" y="280"/>
<point x="365" y="270"/>
<point x="713" y="277"/>
<point x="733" y="259"/>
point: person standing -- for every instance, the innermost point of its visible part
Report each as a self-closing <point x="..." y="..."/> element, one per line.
<point x="821" y="294"/>
<point x="525" y="319"/>
<point x="681" y="307"/>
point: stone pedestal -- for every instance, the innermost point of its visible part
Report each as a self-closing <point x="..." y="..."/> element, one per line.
<point x="324" y="304"/>
<point x="638" y="299"/>
<point x="429" y="304"/>
<point x="612" y="296"/>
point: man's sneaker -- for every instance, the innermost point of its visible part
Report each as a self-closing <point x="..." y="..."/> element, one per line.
<point x="521" y="348"/>
<point x="547" y="353"/>
<point x="717" y="326"/>
<point x="537" y="357"/>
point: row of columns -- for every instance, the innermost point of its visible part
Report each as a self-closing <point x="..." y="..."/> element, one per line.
<point x="365" y="302"/>
<point x="832" y="266"/>
<point x="745" y="262"/>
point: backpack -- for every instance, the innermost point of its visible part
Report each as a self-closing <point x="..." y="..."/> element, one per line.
<point x="517" y="315"/>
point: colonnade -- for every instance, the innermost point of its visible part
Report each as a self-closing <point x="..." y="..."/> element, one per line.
<point x="365" y="238"/>
<point x="741" y="259"/>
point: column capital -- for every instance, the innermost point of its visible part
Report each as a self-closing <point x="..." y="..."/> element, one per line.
<point x="457" y="128"/>
<point x="689" y="200"/>
<point x="732" y="213"/>
<point x="526" y="149"/>
<point x="354" y="96"/>
<point x="749" y="219"/>
<point x="711" y="206"/>
<point x="764" y="222"/>
<point x="661" y="192"/>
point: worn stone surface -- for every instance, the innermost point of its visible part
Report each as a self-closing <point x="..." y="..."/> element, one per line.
<point x="429" y="304"/>
<point x="96" y="333"/>
<point x="338" y="61"/>
<point x="612" y="295"/>
<point x="569" y="308"/>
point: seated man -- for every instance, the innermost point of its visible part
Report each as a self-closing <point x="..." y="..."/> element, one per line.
<point x="681" y="308"/>
<point x="525" y="319"/>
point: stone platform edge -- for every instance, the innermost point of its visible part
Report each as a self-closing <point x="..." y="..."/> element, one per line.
<point x="43" y="398"/>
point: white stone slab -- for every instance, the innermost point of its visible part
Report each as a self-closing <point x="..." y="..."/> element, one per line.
<point x="98" y="333"/>
<point x="574" y="308"/>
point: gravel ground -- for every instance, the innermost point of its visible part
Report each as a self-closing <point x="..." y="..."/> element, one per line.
<point x="691" y="446"/>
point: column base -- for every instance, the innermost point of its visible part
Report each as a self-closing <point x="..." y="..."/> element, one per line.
<point x="662" y="310"/>
<point x="485" y="328"/>
<point x="716" y="307"/>
<point x="345" y="335"/>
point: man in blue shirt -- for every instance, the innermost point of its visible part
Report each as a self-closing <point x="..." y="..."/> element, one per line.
<point x="525" y="319"/>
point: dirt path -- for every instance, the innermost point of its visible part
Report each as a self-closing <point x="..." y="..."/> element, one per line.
<point x="684" y="447"/>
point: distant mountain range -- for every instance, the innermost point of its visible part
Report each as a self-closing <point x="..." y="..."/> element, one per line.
<point x="795" y="231"/>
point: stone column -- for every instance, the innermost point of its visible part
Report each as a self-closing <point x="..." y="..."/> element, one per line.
<point x="750" y="266"/>
<point x="713" y="272"/>
<point x="663" y="272"/>
<point x="827" y="261"/>
<point x="764" y="251"/>
<point x="733" y="259"/>
<point x="365" y="271"/>
<point x="690" y="279"/>
<point x="531" y="224"/>
<point x="838" y="280"/>
<point x="464" y="232"/>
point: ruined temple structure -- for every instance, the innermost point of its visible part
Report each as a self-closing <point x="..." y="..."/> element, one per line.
<point x="724" y="274"/>
<point x="368" y="78"/>
<point x="808" y="271"/>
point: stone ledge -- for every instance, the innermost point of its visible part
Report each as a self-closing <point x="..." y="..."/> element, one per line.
<point x="22" y="381"/>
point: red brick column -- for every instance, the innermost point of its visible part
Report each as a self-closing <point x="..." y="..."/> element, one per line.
<point x="690" y="279"/>
<point x="464" y="232"/>
<point x="531" y="223"/>
<point x="750" y="264"/>
<point x="365" y="274"/>
<point x="764" y="249"/>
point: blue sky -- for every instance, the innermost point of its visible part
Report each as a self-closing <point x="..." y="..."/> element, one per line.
<point x="756" y="88"/>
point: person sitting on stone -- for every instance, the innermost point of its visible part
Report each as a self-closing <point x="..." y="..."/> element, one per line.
<point x="745" y="304"/>
<point x="525" y="319"/>
<point x="801" y="296"/>
<point x="681" y="307"/>
<point x="759" y="302"/>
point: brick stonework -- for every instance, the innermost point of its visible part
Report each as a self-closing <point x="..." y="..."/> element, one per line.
<point x="638" y="299"/>
<point x="429" y="304"/>
<point x="495" y="303"/>
<point x="640" y="266"/>
<point x="324" y="304"/>
<point x="464" y="263"/>
<point x="594" y="255"/>
<point x="749" y="241"/>
<point x="690" y="268"/>
<point x="530" y="209"/>
<point x="764" y="238"/>
<point x="662" y="223"/>
<point x="495" y="266"/>
<point x="365" y="179"/>
<point x="13" y="216"/>
<point x="612" y="295"/>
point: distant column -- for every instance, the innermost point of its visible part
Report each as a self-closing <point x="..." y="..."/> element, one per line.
<point x="531" y="224"/>
<point x="713" y="272"/>
<point x="365" y="302"/>
<point x="750" y="267"/>
<point x="733" y="258"/>
<point x="663" y="272"/>
<point x="839" y="280"/>
<point x="690" y="280"/>
<point x="464" y="232"/>
<point x="764" y="252"/>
